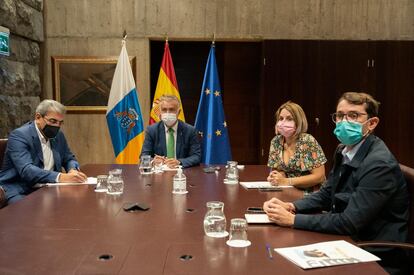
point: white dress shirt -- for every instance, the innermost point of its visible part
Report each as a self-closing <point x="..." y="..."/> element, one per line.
<point x="48" y="160"/>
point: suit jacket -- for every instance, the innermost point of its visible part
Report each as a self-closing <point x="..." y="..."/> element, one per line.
<point x="188" y="149"/>
<point x="23" y="162"/>
<point x="366" y="198"/>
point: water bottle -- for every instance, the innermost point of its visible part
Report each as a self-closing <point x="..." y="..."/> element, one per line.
<point x="180" y="182"/>
<point x="214" y="220"/>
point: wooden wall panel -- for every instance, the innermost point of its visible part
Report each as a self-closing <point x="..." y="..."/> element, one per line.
<point x="88" y="138"/>
<point x="315" y="73"/>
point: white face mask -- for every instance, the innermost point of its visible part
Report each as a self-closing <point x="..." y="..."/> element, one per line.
<point x="169" y="118"/>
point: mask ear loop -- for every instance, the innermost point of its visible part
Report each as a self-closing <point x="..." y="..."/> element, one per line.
<point x="368" y="132"/>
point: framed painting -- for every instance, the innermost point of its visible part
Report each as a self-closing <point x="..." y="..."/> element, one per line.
<point x="83" y="83"/>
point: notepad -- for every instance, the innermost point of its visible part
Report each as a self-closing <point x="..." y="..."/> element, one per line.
<point x="257" y="218"/>
<point x="90" y="180"/>
<point x="261" y="184"/>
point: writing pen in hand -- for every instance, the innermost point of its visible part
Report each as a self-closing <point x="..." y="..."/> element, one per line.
<point x="269" y="251"/>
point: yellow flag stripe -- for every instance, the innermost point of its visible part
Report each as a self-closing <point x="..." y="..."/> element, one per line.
<point x="164" y="87"/>
<point x="131" y="152"/>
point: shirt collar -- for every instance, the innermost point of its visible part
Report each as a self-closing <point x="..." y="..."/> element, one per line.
<point x="350" y="154"/>
<point x="174" y="127"/>
<point x="41" y="137"/>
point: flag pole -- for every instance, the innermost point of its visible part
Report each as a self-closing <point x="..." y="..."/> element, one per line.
<point x="124" y="36"/>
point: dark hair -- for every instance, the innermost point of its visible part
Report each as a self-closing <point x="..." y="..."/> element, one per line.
<point x="371" y="105"/>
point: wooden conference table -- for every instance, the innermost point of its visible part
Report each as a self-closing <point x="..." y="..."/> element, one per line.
<point x="74" y="230"/>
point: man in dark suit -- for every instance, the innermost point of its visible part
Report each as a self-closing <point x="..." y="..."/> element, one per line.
<point x="36" y="153"/>
<point x="172" y="142"/>
<point x="365" y="195"/>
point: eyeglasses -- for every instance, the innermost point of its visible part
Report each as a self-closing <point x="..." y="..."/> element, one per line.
<point x="350" y="116"/>
<point x="53" y="121"/>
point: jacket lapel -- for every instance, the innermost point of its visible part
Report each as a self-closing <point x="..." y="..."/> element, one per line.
<point x="36" y="141"/>
<point x="163" y="142"/>
<point x="179" y="140"/>
<point x="56" y="155"/>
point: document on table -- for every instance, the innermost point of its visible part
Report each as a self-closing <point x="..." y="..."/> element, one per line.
<point x="90" y="180"/>
<point x="257" y="218"/>
<point x="261" y="184"/>
<point x="166" y="168"/>
<point x="326" y="254"/>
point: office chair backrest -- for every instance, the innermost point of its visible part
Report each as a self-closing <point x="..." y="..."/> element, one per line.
<point x="409" y="178"/>
<point x="3" y="145"/>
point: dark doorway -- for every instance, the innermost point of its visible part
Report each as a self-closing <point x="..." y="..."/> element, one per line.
<point x="239" y="69"/>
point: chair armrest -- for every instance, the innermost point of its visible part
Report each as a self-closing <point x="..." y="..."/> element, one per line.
<point x="386" y="244"/>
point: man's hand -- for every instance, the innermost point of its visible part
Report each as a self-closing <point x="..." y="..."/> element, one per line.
<point x="280" y="212"/>
<point x="158" y="160"/>
<point x="172" y="163"/>
<point x="73" y="176"/>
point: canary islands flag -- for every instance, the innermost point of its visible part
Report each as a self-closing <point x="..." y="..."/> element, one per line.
<point x="166" y="85"/>
<point x="124" y="114"/>
<point x="210" y="121"/>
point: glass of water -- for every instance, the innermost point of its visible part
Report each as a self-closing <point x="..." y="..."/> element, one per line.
<point x="238" y="233"/>
<point x="145" y="165"/>
<point x="101" y="183"/>
<point x="214" y="220"/>
<point x="232" y="173"/>
<point x="115" y="182"/>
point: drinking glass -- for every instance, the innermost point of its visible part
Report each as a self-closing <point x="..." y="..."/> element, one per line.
<point x="158" y="167"/>
<point x="115" y="182"/>
<point x="101" y="183"/>
<point x="232" y="173"/>
<point x="145" y="166"/>
<point x="214" y="220"/>
<point x="238" y="233"/>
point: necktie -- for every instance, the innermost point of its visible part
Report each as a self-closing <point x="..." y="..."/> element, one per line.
<point x="170" y="143"/>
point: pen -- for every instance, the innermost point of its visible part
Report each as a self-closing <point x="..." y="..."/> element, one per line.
<point x="269" y="251"/>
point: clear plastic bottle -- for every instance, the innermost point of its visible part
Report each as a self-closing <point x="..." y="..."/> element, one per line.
<point x="180" y="182"/>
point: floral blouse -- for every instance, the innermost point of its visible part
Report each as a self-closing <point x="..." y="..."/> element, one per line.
<point x="308" y="155"/>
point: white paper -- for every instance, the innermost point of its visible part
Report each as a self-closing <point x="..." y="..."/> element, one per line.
<point x="326" y="254"/>
<point x="90" y="180"/>
<point x="261" y="184"/>
<point x="166" y="168"/>
<point x="257" y="218"/>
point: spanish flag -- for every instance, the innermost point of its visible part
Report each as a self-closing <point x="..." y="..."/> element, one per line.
<point x="123" y="114"/>
<point x="166" y="85"/>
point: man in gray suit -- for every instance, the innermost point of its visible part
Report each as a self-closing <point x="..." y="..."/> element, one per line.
<point x="172" y="142"/>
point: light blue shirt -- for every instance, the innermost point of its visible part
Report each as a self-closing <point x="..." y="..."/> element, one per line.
<point x="350" y="154"/>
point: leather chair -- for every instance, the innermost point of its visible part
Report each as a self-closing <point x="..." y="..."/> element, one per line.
<point x="408" y="173"/>
<point x="3" y="145"/>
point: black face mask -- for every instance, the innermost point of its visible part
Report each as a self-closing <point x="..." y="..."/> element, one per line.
<point x="50" y="131"/>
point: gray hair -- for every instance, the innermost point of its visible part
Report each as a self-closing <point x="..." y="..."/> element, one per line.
<point x="49" y="105"/>
<point x="170" y="98"/>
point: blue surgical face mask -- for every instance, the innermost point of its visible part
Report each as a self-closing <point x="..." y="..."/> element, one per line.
<point x="349" y="133"/>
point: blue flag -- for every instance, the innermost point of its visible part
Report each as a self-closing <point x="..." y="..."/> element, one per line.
<point x="210" y="121"/>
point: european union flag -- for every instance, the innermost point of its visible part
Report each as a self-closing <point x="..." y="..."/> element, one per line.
<point x="210" y="120"/>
